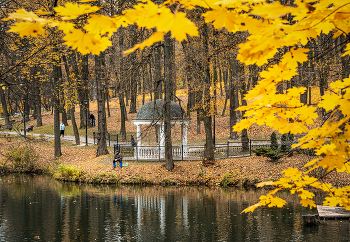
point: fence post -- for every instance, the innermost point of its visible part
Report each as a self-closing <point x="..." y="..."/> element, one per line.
<point x="114" y="149"/>
<point x="182" y="152"/>
<point x="228" y="149"/>
<point x="137" y="153"/>
<point x="94" y="137"/>
<point x="117" y="139"/>
<point x="109" y="139"/>
<point x="250" y="146"/>
<point x="159" y="151"/>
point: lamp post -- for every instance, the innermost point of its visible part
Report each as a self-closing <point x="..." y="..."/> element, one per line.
<point x="24" y="115"/>
<point x="86" y="121"/>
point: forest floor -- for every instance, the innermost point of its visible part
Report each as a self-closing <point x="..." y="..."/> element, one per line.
<point x="243" y="171"/>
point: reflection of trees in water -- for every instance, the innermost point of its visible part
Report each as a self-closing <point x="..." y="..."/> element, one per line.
<point x="83" y="212"/>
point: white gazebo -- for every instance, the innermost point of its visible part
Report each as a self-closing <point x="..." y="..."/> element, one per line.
<point x="152" y="114"/>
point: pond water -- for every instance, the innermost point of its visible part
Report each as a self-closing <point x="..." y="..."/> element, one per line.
<point x="38" y="208"/>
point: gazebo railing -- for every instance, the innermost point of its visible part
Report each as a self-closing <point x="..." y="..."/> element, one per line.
<point x="113" y="139"/>
<point x="189" y="152"/>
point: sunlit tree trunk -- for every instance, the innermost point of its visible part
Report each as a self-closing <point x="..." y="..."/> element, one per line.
<point x="234" y="70"/>
<point x="169" y="163"/>
<point x="57" y="74"/>
<point x="100" y="91"/>
<point x="4" y="108"/>
<point x="207" y="114"/>
<point x="71" y="92"/>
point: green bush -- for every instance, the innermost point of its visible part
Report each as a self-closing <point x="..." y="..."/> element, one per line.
<point x="284" y="145"/>
<point x="229" y="179"/>
<point x="68" y="172"/>
<point x="274" y="155"/>
<point x="261" y="151"/>
<point x="274" y="143"/>
<point x="22" y="159"/>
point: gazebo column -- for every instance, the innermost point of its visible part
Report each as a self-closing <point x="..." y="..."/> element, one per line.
<point x="162" y="140"/>
<point x="138" y="135"/>
<point x="184" y="139"/>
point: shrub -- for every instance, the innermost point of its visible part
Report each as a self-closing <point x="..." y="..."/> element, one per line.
<point x="274" y="143"/>
<point x="229" y="179"/>
<point x="274" y="155"/>
<point x="261" y="151"/>
<point x="68" y="172"/>
<point x="22" y="159"/>
<point x="284" y="145"/>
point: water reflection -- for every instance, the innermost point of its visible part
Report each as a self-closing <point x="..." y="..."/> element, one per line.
<point x="40" y="208"/>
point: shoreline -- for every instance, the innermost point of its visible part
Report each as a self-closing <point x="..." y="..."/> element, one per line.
<point x="80" y="164"/>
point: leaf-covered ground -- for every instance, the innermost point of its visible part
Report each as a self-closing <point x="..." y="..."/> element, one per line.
<point x="246" y="170"/>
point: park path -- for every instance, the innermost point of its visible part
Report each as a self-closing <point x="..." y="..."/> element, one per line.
<point x="51" y="136"/>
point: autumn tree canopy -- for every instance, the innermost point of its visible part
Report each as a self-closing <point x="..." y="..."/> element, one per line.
<point x="275" y="28"/>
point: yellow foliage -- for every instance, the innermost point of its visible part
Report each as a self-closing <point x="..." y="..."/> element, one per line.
<point x="267" y="36"/>
<point x="27" y="29"/>
<point x="72" y="11"/>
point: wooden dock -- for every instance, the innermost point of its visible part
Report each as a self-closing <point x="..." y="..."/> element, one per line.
<point x="332" y="212"/>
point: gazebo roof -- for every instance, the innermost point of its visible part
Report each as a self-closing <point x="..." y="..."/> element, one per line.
<point x="154" y="110"/>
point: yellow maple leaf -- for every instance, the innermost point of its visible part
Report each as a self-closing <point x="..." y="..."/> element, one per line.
<point x="338" y="85"/>
<point x="156" y="37"/>
<point x="251" y="208"/>
<point x="329" y="102"/>
<point x="86" y="42"/>
<point x="261" y="184"/>
<point x="27" y="29"/>
<point x="180" y="26"/>
<point x="304" y="194"/>
<point x="347" y="50"/>
<point x="72" y="10"/>
<point x="300" y="54"/>
<point x="311" y="162"/>
<point x="41" y="12"/>
<point x="331" y="201"/>
<point x="22" y="14"/>
<point x="99" y="24"/>
<point x="292" y="172"/>
<point x="277" y="202"/>
<point x="308" y="202"/>
<point x="273" y="10"/>
<point x="65" y="27"/>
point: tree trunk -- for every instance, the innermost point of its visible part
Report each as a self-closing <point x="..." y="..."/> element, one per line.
<point x="57" y="73"/>
<point x="101" y="111"/>
<point x="107" y="100"/>
<point x="39" y="120"/>
<point x="133" y="93"/>
<point x="75" y="127"/>
<point x="4" y="108"/>
<point x="120" y="88"/>
<point x="83" y="89"/>
<point x="62" y="106"/>
<point x="227" y="91"/>
<point x="157" y="75"/>
<point x="244" y="135"/>
<point x="169" y="163"/>
<point x="71" y="97"/>
<point x="209" y="145"/>
<point x="172" y="70"/>
<point x="234" y="66"/>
